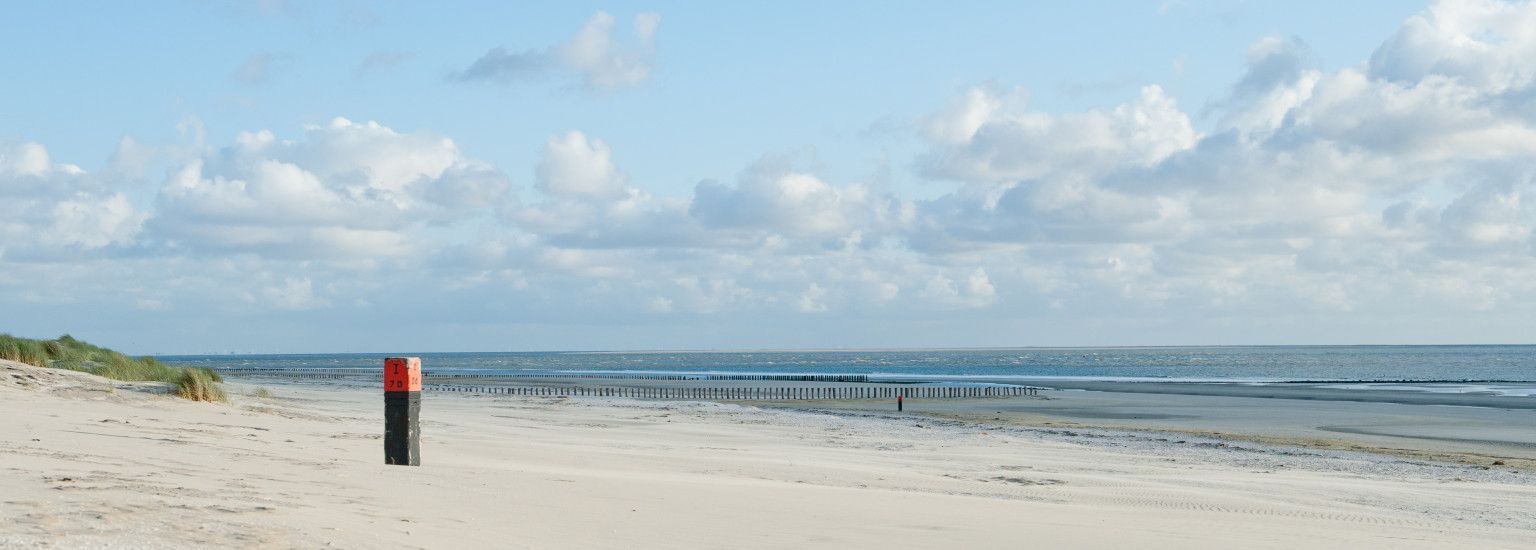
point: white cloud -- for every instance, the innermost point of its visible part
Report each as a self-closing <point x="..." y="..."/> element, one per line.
<point x="646" y="25"/>
<point x="1494" y="215"/>
<point x="54" y="208"/>
<point x="1485" y="44"/>
<point x="27" y="159"/>
<point x="349" y="189"/>
<point x="592" y="54"/>
<point x="984" y="140"/>
<point x="776" y="198"/>
<point x="93" y="222"/>
<point x="976" y="291"/>
<point x="979" y="286"/>
<point x="576" y="167"/>
<point x="292" y="294"/>
<point x="812" y="300"/>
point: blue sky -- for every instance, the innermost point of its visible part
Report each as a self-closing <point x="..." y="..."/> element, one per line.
<point x="279" y="176"/>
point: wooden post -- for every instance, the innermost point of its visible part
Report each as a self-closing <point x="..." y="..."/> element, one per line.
<point x="402" y="411"/>
<point x="898" y="402"/>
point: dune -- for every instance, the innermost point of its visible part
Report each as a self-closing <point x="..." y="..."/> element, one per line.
<point x="94" y="463"/>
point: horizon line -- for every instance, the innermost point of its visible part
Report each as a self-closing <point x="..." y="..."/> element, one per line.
<point x="855" y="349"/>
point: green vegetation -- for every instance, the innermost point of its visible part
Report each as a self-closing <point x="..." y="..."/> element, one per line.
<point x="198" y="384"/>
<point x="66" y="352"/>
<point x="262" y="393"/>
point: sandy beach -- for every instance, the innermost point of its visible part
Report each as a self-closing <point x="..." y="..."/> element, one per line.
<point x="91" y="466"/>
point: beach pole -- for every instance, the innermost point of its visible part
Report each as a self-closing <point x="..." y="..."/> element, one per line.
<point x="402" y="411"/>
<point x="898" y="402"/>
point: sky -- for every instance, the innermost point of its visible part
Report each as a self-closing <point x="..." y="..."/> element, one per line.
<point x="286" y="176"/>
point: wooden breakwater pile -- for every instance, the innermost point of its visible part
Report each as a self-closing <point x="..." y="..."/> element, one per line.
<point x="320" y="372"/>
<point x="751" y="393"/>
<point x="306" y="372"/>
<point x="850" y="378"/>
<point x="707" y="386"/>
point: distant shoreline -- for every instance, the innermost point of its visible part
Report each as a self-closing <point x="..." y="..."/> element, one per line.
<point x="692" y="351"/>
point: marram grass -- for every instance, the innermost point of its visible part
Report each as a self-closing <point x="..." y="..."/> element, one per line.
<point x="66" y="352"/>
<point x="199" y="384"/>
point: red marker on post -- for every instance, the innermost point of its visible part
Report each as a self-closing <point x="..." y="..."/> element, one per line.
<point x="402" y="411"/>
<point x="898" y="402"/>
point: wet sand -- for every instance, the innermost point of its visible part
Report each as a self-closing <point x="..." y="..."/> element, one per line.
<point x="1297" y="392"/>
<point x="1472" y="429"/>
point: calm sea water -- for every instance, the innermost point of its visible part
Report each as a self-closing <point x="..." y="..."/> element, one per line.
<point x="1259" y="363"/>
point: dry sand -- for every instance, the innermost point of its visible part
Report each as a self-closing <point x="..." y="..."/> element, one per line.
<point x="89" y="467"/>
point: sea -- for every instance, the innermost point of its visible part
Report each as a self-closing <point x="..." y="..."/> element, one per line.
<point x="1487" y="369"/>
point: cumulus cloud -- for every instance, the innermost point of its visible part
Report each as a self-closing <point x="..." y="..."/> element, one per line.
<point x="291" y="294"/>
<point x="30" y="159"/>
<point x="348" y="189"/>
<point x="988" y="138"/>
<point x="93" y="222"/>
<point x="812" y="300"/>
<point x="1274" y="62"/>
<point x="1335" y="188"/>
<point x="771" y="205"/>
<point x="55" y="208"/>
<point x="797" y="204"/>
<point x="1485" y="44"/>
<point x="974" y="291"/>
<point x="592" y="54"/>
<point x="576" y="167"/>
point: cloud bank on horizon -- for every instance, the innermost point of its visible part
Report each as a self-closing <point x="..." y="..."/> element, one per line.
<point x="1396" y="193"/>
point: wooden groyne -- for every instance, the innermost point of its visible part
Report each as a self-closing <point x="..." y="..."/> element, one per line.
<point x="299" y="373"/>
<point x="851" y="378"/>
<point x="751" y="393"/>
<point x="674" y="385"/>
<point x="348" y="372"/>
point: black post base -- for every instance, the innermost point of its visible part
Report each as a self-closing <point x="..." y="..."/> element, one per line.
<point x="402" y="428"/>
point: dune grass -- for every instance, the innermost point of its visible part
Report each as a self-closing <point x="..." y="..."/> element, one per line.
<point x="66" y="352"/>
<point x="199" y="384"/>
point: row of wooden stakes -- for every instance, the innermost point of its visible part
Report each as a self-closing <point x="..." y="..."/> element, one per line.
<point x="750" y="393"/>
<point x="852" y="378"/>
<point x="322" y="372"/>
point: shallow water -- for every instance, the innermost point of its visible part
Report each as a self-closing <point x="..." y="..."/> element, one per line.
<point x="1512" y="367"/>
